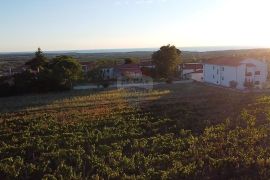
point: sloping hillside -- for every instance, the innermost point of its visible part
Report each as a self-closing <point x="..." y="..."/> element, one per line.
<point x="175" y="132"/>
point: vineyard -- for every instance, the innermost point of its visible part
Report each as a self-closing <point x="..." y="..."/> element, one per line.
<point x="185" y="131"/>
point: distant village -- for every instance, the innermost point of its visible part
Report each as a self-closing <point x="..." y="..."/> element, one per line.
<point x="231" y="72"/>
<point x="238" y="73"/>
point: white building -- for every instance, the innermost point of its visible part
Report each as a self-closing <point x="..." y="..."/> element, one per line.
<point x="108" y="73"/>
<point x="124" y="70"/>
<point x="228" y="71"/>
<point x="197" y="76"/>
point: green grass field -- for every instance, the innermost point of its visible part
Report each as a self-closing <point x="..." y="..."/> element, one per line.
<point x="184" y="131"/>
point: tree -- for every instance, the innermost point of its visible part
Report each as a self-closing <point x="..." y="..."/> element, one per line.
<point x="167" y="59"/>
<point x="129" y="61"/>
<point x="63" y="71"/>
<point x="95" y="75"/>
<point x="38" y="62"/>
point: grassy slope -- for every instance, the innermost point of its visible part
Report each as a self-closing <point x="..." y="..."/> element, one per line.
<point x="132" y="134"/>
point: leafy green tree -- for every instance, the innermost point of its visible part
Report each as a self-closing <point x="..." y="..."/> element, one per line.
<point x="38" y="62"/>
<point x="63" y="71"/>
<point x="129" y="61"/>
<point x="166" y="60"/>
<point x="95" y="75"/>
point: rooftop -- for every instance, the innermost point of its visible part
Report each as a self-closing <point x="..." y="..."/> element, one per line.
<point x="192" y="66"/>
<point x="226" y="61"/>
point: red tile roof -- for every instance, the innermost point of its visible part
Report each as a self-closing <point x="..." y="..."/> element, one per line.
<point x="146" y="63"/>
<point x="196" y="72"/>
<point x="192" y="66"/>
<point x="129" y="68"/>
<point x="250" y="65"/>
<point x="226" y="61"/>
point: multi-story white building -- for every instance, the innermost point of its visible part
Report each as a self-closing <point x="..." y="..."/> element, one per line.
<point x="228" y="71"/>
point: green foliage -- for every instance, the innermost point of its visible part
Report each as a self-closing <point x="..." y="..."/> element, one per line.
<point x="56" y="74"/>
<point x="102" y="136"/>
<point x="95" y="75"/>
<point x="167" y="60"/>
<point x="130" y="60"/>
<point x="38" y="62"/>
<point x="63" y="70"/>
<point x="233" y="84"/>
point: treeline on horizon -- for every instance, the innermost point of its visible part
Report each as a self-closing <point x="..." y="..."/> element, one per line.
<point x="187" y="56"/>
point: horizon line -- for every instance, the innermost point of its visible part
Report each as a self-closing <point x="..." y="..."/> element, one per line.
<point x="126" y="50"/>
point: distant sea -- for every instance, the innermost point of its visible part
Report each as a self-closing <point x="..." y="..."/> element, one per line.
<point x="196" y="49"/>
<point x="193" y="49"/>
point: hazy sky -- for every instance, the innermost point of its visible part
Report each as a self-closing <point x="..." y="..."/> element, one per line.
<point x="97" y="24"/>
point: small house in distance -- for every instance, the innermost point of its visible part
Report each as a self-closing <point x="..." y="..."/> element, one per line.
<point x="239" y="73"/>
<point x="114" y="72"/>
<point x="191" y="71"/>
<point x="129" y="70"/>
<point x="147" y="63"/>
<point x="87" y="66"/>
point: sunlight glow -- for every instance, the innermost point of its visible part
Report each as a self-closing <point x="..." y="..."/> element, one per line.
<point x="133" y="24"/>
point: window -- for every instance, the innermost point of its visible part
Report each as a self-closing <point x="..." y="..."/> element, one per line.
<point x="258" y="73"/>
<point x="213" y="67"/>
<point x="222" y="78"/>
<point x="222" y="68"/>
<point x="217" y="71"/>
<point x="213" y="76"/>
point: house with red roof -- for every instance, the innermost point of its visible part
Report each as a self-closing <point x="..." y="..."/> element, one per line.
<point x="192" y="71"/>
<point x="129" y="70"/>
<point x="121" y="71"/>
<point x="235" y="72"/>
<point x="147" y="64"/>
<point x="131" y="76"/>
<point x="87" y="66"/>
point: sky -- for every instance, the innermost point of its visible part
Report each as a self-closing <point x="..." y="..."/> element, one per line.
<point x="54" y="25"/>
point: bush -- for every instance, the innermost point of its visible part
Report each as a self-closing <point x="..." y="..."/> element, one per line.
<point x="149" y="72"/>
<point x="105" y="84"/>
<point x="169" y="81"/>
<point x="233" y="84"/>
<point x="57" y="74"/>
<point x="248" y="84"/>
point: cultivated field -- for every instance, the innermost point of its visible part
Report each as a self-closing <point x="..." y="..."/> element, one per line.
<point x="175" y="131"/>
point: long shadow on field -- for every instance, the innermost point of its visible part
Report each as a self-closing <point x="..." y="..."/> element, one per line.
<point x="18" y="103"/>
<point x="195" y="106"/>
